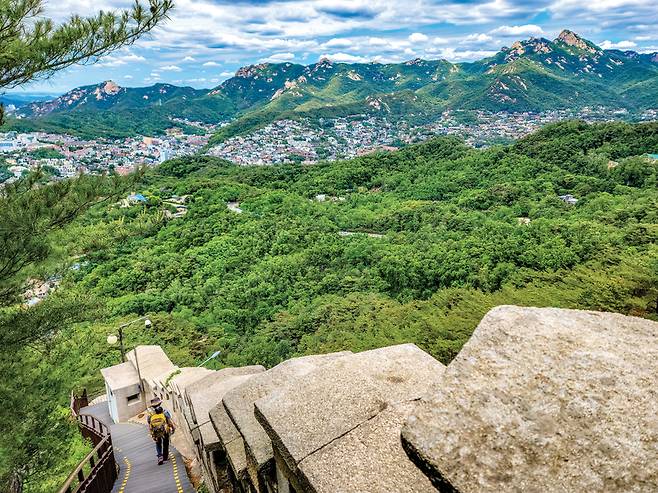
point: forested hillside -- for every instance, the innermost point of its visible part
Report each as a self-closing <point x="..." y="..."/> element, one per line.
<point x="443" y="233"/>
<point x="461" y="230"/>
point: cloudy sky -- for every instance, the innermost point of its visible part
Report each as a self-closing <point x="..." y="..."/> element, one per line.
<point x="205" y="41"/>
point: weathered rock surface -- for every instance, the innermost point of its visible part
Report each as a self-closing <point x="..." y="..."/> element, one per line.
<point x="239" y="402"/>
<point x="187" y="376"/>
<point x="369" y="459"/>
<point x="325" y="404"/>
<point x="544" y="400"/>
<point x="230" y="439"/>
<point x="206" y="393"/>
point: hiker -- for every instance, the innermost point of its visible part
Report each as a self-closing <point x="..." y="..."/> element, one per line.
<point x="160" y="426"/>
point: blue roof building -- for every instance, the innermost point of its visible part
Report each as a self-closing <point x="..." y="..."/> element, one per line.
<point x="137" y="197"/>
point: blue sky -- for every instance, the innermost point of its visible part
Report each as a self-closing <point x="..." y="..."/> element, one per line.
<point x="205" y="41"/>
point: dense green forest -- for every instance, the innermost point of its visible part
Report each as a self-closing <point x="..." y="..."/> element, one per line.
<point x="443" y="233"/>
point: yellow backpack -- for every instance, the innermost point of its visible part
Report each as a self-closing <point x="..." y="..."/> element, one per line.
<point x="158" y="425"/>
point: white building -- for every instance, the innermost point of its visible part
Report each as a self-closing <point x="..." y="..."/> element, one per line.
<point x="127" y="395"/>
<point x="124" y="393"/>
<point x="165" y="154"/>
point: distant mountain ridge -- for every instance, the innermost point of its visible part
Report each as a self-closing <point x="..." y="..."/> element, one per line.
<point x="108" y="95"/>
<point x="536" y="74"/>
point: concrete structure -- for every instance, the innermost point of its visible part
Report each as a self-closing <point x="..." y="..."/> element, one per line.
<point x="201" y="397"/>
<point x="150" y="361"/>
<point x="544" y="400"/>
<point x="129" y="385"/>
<point x="239" y="404"/>
<point x="338" y="428"/>
<point x="124" y="393"/>
<point x="538" y="400"/>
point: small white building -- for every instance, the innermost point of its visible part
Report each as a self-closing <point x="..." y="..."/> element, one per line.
<point x="124" y="392"/>
<point x="127" y="396"/>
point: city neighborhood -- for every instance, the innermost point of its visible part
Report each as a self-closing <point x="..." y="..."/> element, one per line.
<point x="282" y="141"/>
<point x="64" y="156"/>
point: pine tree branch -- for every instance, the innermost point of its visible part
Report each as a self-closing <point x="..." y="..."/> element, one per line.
<point x="32" y="48"/>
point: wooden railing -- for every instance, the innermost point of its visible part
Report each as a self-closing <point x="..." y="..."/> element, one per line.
<point x="100" y="462"/>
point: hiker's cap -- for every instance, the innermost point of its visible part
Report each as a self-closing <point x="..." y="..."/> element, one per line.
<point x="156" y="401"/>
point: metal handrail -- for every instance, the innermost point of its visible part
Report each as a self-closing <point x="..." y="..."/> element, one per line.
<point x="104" y="471"/>
<point x="101" y="450"/>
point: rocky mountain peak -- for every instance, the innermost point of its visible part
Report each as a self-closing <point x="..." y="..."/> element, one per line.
<point x="532" y="45"/>
<point x="107" y="88"/>
<point x="415" y="61"/>
<point x="570" y="38"/>
<point x="111" y="87"/>
<point x="251" y="70"/>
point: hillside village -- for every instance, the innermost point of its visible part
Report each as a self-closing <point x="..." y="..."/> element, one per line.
<point x="284" y="141"/>
<point x="66" y="156"/>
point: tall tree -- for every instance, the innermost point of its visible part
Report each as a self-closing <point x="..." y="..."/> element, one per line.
<point x="33" y="47"/>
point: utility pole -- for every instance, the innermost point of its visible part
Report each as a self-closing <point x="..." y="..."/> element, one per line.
<point x="111" y="339"/>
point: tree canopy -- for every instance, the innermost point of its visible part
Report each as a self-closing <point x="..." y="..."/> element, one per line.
<point x="32" y="212"/>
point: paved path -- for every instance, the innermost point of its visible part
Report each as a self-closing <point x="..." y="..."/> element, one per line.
<point x="135" y="453"/>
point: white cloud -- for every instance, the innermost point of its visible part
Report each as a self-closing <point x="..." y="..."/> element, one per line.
<point x="418" y="37"/>
<point x="621" y="45"/>
<point x="338" y="43"/>
<point x="226" y="74"/>
<point x="441" y="41"/>
<point x="119" y="60"/>
<point x="127" y="76"/>
<point x="278" y="58"/>
<point x="345" y="57"/>
<point x="525" y="30"/>
<point x="477" y="38"/>
<point x="211" y="64"/>
<point x="189" y="59"/>
<point x="377" y="41"/>
<point x="171" y="68"/>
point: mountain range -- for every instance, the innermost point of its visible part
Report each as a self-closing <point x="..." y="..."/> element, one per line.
<point x="537" y="74"/>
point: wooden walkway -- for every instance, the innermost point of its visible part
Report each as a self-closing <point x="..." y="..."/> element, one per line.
<point x="135" y="453"/>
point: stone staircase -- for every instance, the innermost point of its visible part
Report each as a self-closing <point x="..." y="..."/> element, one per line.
<point x="538" y="400"/>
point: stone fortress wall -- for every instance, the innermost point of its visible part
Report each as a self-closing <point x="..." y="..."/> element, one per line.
<point x="538" y="400"/>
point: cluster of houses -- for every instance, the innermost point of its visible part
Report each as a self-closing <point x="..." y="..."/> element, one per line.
<point x="94" y="155"/>
<point x="39" y="289"/>
<point x="481" y="128"/>
<point x="287" y="141"/>
<point x="538" y="400"/>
